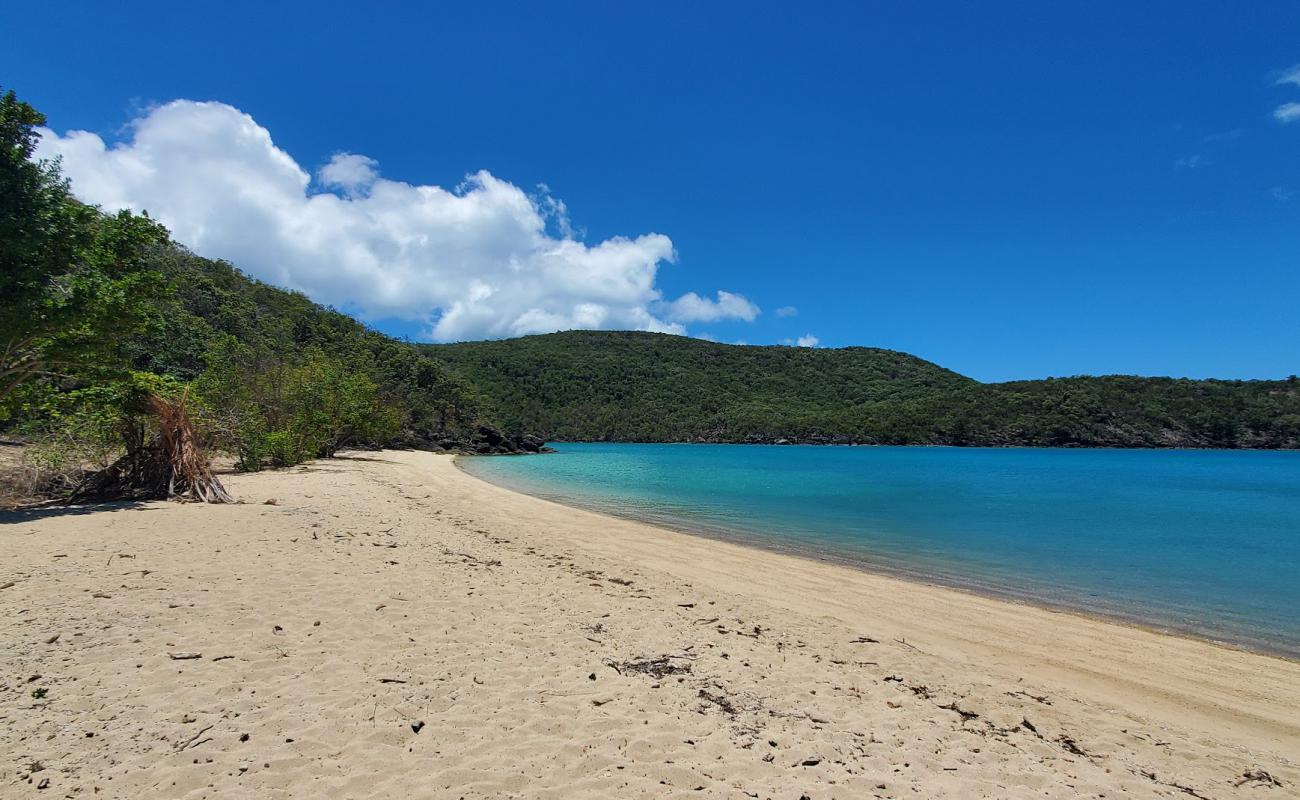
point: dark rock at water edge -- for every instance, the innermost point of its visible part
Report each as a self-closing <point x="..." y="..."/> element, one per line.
<point x="484" y="440"/>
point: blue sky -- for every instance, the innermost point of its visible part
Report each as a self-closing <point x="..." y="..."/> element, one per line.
<point x="1012" y="190"/>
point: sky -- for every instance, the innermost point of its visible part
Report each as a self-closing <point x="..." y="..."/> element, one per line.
<point x="1011" y="190"/>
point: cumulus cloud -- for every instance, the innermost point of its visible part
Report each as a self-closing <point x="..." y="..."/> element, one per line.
<point x="473" y="261"/>
<point x="1287" y="112"/>
<point x="787" y="311"/>
<point x="554" y="210"/>
<point x="690" y="307"/>
<point x="807" y="340"/>
<point x="352" y="173"/>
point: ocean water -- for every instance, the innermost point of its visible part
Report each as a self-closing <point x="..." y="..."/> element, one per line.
<point x="1194" y="541"/>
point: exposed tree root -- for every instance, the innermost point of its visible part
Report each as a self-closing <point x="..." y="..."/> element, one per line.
<point x="171" y="465"/>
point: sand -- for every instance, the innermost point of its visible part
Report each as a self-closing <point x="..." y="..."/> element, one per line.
<point x="392" y="627"/>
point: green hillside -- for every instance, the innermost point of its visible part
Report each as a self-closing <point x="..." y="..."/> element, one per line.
<point x="103" y="317"/>
<point x="625" y="386"/>
<point x="107" y="326"/>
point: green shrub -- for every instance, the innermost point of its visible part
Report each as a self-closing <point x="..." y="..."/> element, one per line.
<point x="279" y="414"/>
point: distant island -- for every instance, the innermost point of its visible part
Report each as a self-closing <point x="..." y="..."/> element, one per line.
<point x="623" y="386"/>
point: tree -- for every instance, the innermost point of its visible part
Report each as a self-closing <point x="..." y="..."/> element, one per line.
<point x="68" y="273"/>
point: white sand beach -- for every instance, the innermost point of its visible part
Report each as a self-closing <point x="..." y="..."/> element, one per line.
<point x="392" y="627"/>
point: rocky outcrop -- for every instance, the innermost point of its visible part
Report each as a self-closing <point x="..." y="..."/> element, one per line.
<point x="484" y="440"/>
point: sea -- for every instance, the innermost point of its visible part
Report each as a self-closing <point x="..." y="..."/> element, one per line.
<point x="1198" y="542"/>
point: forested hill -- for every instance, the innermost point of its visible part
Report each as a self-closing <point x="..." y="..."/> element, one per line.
<point x="625" y="386"/>
<point x="103" y="317"/>
<point x="104" y="320"/>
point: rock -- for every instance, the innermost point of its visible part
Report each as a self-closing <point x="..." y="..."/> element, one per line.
<point x="490" y="435"/>
<point x="485" y="440"/>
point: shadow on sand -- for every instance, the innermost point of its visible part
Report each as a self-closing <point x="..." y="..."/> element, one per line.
<point x="36" y="513"/>
<point x="371" y="459"/>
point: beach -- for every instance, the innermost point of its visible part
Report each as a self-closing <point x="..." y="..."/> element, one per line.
<point x="384" y="625"/>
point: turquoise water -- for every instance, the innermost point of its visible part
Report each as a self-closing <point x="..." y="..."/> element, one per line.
<point x="1203" y="542"/>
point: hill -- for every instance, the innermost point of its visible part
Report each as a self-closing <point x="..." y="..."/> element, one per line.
<point x="627" y="386"/>
<point x="219" y="329"/>
<point x="103" y="318"/>
<point x="116" y="342"/>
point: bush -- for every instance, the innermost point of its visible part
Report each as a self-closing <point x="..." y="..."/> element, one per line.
<point x="278" y="414"/>
<point x="71" y="434"/>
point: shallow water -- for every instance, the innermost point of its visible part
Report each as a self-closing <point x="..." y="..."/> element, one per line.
<point x="1203" y="542"/>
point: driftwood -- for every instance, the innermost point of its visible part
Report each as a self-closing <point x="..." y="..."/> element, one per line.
<point x="171" y="465"/>
<point x="657" y="667"/>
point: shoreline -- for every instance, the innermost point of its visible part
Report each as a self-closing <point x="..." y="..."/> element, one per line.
<point x="384" y="624"/>
<point x="770" y="543"/>
<point x="1038" y="618"/>
<point x="925" y="444"/>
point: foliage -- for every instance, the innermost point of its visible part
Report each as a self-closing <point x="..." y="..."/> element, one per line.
<point x="624" y="386"/>
<point x="654" y="387"/>
<point x="284" y="414"/>
<point x="91" y="304"/>
<point x="100" y="312"/>
<point x="288" y="380"/>
<point x="76" y="432"/>
<point x="172" y="463"/>
<point x="69" y="275"/>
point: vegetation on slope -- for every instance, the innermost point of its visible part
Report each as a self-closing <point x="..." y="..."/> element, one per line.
<point x="102" y="314"/>
<point x="623" y="386"/>
<point x="626" y="386"/>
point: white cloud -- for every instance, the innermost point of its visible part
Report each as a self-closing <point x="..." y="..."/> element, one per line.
<point x="1192" y="162"/>
<point x="350" y="172"/>
<point x="1291" y="76"/>
<point x="807" y="340"/>
<point x="1287" y="112"/>
<point x="787" y="311"/>
<point x="553" y="208"/>
<point x="473" y="261"/>
<point x="690" y="307"/>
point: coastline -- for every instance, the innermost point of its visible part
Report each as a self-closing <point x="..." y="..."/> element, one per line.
<point x="392" y="626"/>
<point x="919" y="576"/>
<point x="781" y="442"/>
<point x="1030" y="640"/>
